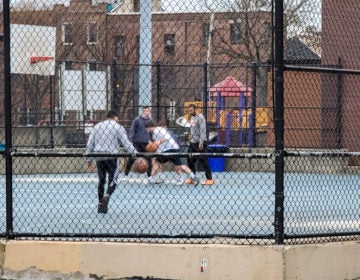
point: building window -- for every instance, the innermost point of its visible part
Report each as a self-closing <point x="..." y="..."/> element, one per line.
<point x="28" y="116"/>
<point x="136" y="5"/>
<point x="92" y="33"/>
<point x="206" y="33"/>
<point x="235" y="34"/>
<point x="138" y="46"/>
<point x="119" y="46"/>
<point x="23" y="116"/>
<point x="92" y="65"/>
<point x="266" y="37"/>
<point x="69" y="65"/>
<point x="169" y="43"/>
<point x="67" y="34"/>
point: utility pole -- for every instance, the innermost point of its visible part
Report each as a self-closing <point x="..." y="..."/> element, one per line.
<point x="145" y="54"/>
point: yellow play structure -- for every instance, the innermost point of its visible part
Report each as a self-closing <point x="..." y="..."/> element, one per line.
<point x="230" y="119"/>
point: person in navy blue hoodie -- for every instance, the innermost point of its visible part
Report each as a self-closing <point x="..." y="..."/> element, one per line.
<point x="140" y="137"/>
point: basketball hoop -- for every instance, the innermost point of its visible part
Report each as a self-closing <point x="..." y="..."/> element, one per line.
<point x="36" y="59"/>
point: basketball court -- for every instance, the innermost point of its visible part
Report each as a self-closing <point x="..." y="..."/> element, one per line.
<point x="239" y="203"/>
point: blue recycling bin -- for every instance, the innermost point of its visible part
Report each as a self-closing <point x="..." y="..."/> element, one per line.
<point x="217" y="164"/>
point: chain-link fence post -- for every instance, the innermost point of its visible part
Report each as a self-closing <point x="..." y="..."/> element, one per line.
<point x="279" y="123"/>
<point x="8" y="120"/>
<point x="158" y="90"/>
<point x="253" y="104"/>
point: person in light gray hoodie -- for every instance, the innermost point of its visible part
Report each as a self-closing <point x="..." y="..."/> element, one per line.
<point x="106" y="138"/>
<point x="197" y="139"/>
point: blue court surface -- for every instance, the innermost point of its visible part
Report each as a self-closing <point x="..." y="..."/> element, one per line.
<point x="239" y="203"/>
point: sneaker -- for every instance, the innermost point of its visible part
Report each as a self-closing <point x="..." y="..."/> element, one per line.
<point x="196" y="181"/>
<point x="207" y="182"/>
<point x="153" y="181"/>
<point x="103" y="204"/>
<point x="190" y="181"/>
<point x="106" y="199"/>
<point x="101" y="208"/>
<point x="179" y="182"/>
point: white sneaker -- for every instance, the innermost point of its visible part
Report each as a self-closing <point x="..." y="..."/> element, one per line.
<point x="180" y="182"/>
<point x="153" y="180"/>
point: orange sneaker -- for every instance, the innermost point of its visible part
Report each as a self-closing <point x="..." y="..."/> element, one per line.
<point x="207" y="182"/>
<point x="190" y="181"/>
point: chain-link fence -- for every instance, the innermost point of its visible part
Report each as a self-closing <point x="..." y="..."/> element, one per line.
<point x="250" y="106"/>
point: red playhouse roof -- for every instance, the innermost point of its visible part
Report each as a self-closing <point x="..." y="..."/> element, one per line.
<point x="230" y="87"/>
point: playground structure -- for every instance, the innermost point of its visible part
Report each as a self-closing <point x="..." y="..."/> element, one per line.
<point x="235" y="125"/>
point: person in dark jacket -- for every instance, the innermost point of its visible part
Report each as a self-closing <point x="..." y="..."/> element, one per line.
<point x="140" y="137"/>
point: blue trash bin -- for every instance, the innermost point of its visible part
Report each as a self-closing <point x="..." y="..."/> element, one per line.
<point x="217" y="164"/>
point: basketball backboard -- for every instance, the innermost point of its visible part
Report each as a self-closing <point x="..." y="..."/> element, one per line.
<point x="32" y="49"/>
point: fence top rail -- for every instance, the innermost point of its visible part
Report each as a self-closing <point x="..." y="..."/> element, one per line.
<point x="332" y="70"/>
<point x="248" y="154"/>
<point x="321" y="154"/>
<point x="151" y="155"/>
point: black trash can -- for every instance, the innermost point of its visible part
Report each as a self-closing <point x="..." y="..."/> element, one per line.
<point x="217" y="164"/>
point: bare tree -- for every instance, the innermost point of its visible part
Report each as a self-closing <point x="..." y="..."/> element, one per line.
<point x="32" y="98"/>
<point x="251" y="29"/>
<point x="252" y="26"/>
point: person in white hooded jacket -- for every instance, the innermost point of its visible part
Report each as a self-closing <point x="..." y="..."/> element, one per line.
<point x="166" y="144"/>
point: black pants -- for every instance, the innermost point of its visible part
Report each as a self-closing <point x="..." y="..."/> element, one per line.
<point x="140" y="147"/>
<point x="194" y="148"/>
<point x="107" y="167"/>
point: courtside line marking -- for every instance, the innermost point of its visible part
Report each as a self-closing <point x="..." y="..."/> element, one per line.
<point x="77" y="180"/>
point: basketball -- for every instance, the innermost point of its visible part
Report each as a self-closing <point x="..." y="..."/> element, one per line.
<point x="151" y="147"/>
<point x="140" y="165"/>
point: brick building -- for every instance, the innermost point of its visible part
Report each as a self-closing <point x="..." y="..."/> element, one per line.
<point x="341" y="44"/>
<point x="107" y="39"/>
